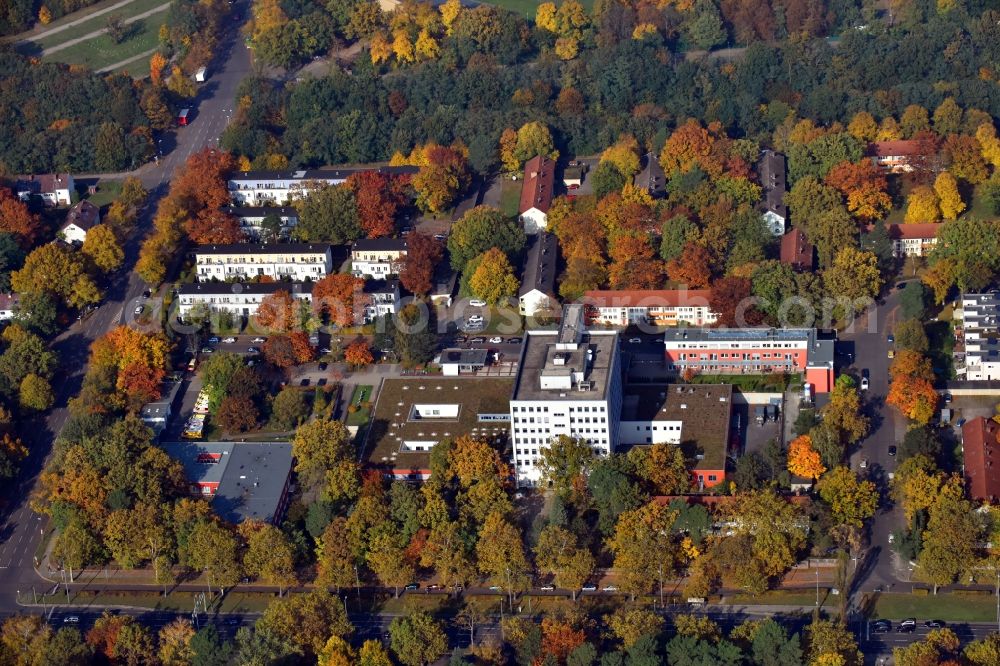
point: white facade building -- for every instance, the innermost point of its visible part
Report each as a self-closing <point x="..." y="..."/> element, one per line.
<point x="381" y="298"/>
<point x="377" y="257"/>
<point x="54" y="189"/>
<point x="251" y="219"/>
<point x="978" y="317"/>
<point x="659" y="307"/>
<point x="537" y="293"/>
<point x="243" y="261"/>
<point x="278" y="188"/>
<point x="8" y="303"/>
<point x="568" y="383"/>
<point x="236" y="299"/>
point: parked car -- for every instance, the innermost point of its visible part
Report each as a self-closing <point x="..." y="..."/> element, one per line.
<point x="947" y="398"/>
<point x="892" y="450"/>
<point x="138" y="310"/>
<point x="477" y="303"/>
<point x="323" y="366"/>
<point x="547" y="588"/>
<point x="324" y="350"/>
<point x="934" y="624"/>
<point x="147" y="293"/>
<point x="514" y="341"/>
<point x="864" y="383"/>
<point x="321" y="381"/>
<point x="495" y="588"/>
<point x="475" y="319"/>
<point x="907" y="626"/>
<point x="253" y="350"/>
<point x="259" y="341"/>
<point x="610" y="588"/>
<point x="207" y="350"/>
<point x="214" y="340"/>
<point x="881" y="627"/>
<point x="589" y="588"/>
<point x="230" y="340"/>
<point x="412" y="586"/>
<point x="477" y="341"/>
<point x="496" y="340"/>
<point x="891" y="339"/>
<point x="892" y="353"/>
<point x="440" y="237"/>
<point x="71" y="619"/>
<point x="634" y="341"/>
<point x="304" y="382"/>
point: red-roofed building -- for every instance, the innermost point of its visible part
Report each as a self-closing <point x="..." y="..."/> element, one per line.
<point x="894" y="156"/>
<point x="796" y="250"/>
<point x="536" y="193"/>
<point x="662" y="307"/>
<point x="913" y="240"/>
<point x="981" y="453"/>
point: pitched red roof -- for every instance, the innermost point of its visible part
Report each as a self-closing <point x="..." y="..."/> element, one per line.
<point x="539" y="177"/>
<point x="982" y="458"/>
<point x="921" y="230"/>
<point x="894" y="148"/>
<point x="691" y="298"/>
<point x="796" y="250"/>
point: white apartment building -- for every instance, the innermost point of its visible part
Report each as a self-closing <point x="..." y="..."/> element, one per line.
<point x="242" y="261"/>
<point x="659" y="307"/>
<point x="381" y="298"/>
<point x="977" y="354"/>
<point x="234" y="298"/>
<point x="377" y="257"/>
<point x="568" y="383"/>
<point x="538" y="283"/>
<point x="278" y="188"/>
<point x="251" y="219"/>
<point x="913" y="240"/>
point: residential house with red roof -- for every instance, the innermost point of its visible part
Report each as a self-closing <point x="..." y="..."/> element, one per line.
<point x="894" y="156"/>
<point x="660" y="307"/>
<point x="796" y="250"/>
<point x="981" y="456"/>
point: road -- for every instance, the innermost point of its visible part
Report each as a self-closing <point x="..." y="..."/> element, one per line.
<point x="866" y="339"/>
<point x="20" y="528"/>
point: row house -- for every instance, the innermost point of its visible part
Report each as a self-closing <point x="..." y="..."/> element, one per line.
<point x="977" y="356"/>
<point x="251" y="219"/>
<point x="377" y="257"/>
<point x="236" y="299"/>
<point x="244" y="261"/>
<point x="659" y="307"/>
<point x="751" y="351"/>
<point x="278" y="188"/>
<point x="538" y="282"/>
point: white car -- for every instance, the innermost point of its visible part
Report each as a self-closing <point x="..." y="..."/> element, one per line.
<point x="230" y="340"/>
<point x="610" y="588"/>
<point x="864" y="383"/>
<point x="634" y="341"/>
<point x="476" y="319"/>
<point x="547" y="588"/>
<point x="259" y="340"/>
<point x="495" y="341"/>
<point x="477" y="303"/>
<point x="138" y="310"/>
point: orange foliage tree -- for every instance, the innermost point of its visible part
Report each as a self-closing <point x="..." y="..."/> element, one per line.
<point x="212" y="225"/>
<point x="559" y="639"/>
<point x="864" y="185"/>
<point x="358" y="354"/>
<point x="692" y="267"/>
<point x="284" y="351"/>
<point x="278" y="312"/>
<point x="803" y="459"/>
<point x="201" y="183"/>
<point x="633" y="264"/>
<point x="914" y="397"/>
<point x="441" y="179"/>
<point x="339" y="298"/>
<point x="16" y="219"/>
<point x="423" y="253"/>
<point x="378" y="197"/>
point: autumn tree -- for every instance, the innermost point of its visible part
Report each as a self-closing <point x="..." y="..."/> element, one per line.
<point x="306" y="621"/>
<point x="318" y="446"/>
<point x="328" y="215"/>
<point x="949" y="542"/>
<point x="339" y="298"/>
<point x="175" y="643"/>
<point x="949" y="198"/>
<point x="565" y="463"/>
<point x="417" y="639"/>
<point x="922" y="205"/>
<point x="493" y="280"/>
<point x="692" y="267"/>
<point x="210" y="225"/>
<point x="500" y="554"/>
<point x="558" y="553"/>
<point x="441" y="179"/>
<point x="533" y="138"/>
<point x="481" y="229"/>
<point x="851" y="500"/>
<point x="423" y="254"/>
<point x="644" y="547"/>
<point x="103" y="248"/>
<point x="358" y="355"/>
<point x="237" y="414"/>
<point x="16" y="219"/>
<point x="731" y="301"/>
<point x="633" y="263"/>
<point x="864" y="186"/>
<point x="803" y="459"/>
<point x="278" y="312"/>
<point x="914" y="397"/>
<point x="854" y="275"/>
<point x="830" y="642"/>
<point x="55" y="270"/>
<point x="624" y="154"/>
<point x="378" y="197"/>
<point x="269" y="555"/>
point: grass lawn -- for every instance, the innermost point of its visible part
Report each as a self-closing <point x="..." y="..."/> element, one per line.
<point x="510" y="192"/>
<point x="362" y="394"/>
<point x="100" y="22"/>
<point x="527" y="7"/>
<point x="979" y="207"/>
<point x="102" y="51"/>
<point x="942" y="344"/>
<point x="234" y="602"/>
<point x="947" y="607"/>
<point x="107" y="191"/>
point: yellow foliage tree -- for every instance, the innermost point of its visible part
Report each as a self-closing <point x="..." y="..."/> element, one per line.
<point x="402" y="47"/>
<point x="922" y="205"/>
<point x="567" y="48"/>
<point x="508" y="144"/>
<point x="44" y="15"/>
<point x="986" y="134"/>
<point x="888" y="130"/>
<point x="545" y="17"/>
<point x="803" y="459"/>
<point x="157" y="63"/>
<point x="624" y="154"/>
<point x="949" y="198"/>
<point x="863" y="127"/>
<point x="644" y="30"/>
<point x="380" y="48"/>
<point x="450" y="11"/>
<point x="427" y="47"/>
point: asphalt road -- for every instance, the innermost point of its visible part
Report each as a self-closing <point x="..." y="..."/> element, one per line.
<point x="20" y="528"/>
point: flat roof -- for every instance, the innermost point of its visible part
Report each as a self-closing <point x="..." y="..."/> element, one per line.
<point x="737" y="334"/>
<point x="541" y="355"/>
<point x="705" y="411"/>
<point x="251" y="288"/>
<point x="455" y="356"/>
<point x="391" y="423"/>
<point x="251" y="476"/>
<point x="263" y="248"/>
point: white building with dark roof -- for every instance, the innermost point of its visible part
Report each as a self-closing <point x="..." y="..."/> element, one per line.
<point x="251" y="219"/>
<point x="54" y="189"/>
<point x="771" y="171"/>
<point x="278" y="188"/>
<point x="238" y="299"/>
<point x="377" y="257"/>
<point x="244" y="261"/>
<point x="80" y="219"/>
<point x="537" y="293"/>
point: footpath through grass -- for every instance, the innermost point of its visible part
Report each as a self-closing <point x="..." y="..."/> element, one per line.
<point x="99" y="22"/>
<point x="102" y="51"/>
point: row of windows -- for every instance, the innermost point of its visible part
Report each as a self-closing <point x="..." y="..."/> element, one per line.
<point x="545" y="419"/>
<point x="737" y="345"/>
<point x="745" y="357"/>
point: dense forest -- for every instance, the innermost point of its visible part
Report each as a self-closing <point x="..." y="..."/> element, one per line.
<point x="479" y="82"/>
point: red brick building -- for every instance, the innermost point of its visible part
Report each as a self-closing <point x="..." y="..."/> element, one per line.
<point x="982" y="458"/>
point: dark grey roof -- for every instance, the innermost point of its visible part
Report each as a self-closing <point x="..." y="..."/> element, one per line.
<point x="390" y="286"/>
<point x="540" y="264"/>
<point x="339" y="173"/>
<point x="651" y="178"/>
<point x="262" y="248"/>
<point x="464" y="356"/>
<point x="379" y="244"/>
<point x="771" y="170"/>
<point x="774" y="201"/>
<point x="261" y="211"/>
<point x="263" y="288"/>
<point x="251" y="475"/>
